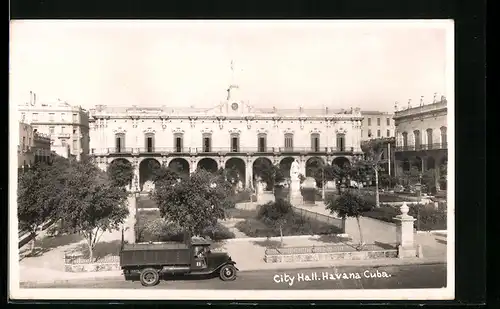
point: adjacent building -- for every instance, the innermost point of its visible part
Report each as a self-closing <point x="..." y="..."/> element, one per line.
<point x="230" y="134"/>
<point x="33" y="147"/>
<point x="67" y="126"/>
<point x="377" y="124"/>
<point x="422" y="140"/>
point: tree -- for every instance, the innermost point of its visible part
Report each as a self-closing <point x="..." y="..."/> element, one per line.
<point x="373" y="150"/>
<point x="164" y="174"/>
<point x="195" y="203"/>
<point x="349" y="204"/>
<point x="277" y="214"/>
<point x="90" y="204"/>
<point x="120" y="172"/>
<point x="38" y="196"/>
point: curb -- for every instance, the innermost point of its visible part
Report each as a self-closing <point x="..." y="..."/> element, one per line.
<point x="64" y="281"/>
<point x="435" y="232"/>
<point x="284" y="238"/>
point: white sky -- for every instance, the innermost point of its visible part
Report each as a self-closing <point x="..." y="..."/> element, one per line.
<point x="283" y="64"/>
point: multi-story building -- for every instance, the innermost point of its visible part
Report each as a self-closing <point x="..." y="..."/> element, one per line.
<point x="231" y="134"/>
<point x="67" y="126"/>
<point x="376" y="125"/>
<point x="33" y="147"/>
<point x="421" y="139"/>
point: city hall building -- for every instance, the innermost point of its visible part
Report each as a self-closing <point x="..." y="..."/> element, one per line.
<point x="233" y="134"/>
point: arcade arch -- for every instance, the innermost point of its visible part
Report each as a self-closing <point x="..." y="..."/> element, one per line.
<point x="208" y="164"/>
<point x="179" y="165"/>
<point x="312" y="164"/>
<point x="285" y="165"/>
<point x="341" y="162"/>
<point x="238" y="165"/>
<point x="146" y="170"/>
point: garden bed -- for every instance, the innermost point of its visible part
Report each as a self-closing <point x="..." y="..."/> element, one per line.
<point x="427" y="217"/>
<point x="295" y="225"/>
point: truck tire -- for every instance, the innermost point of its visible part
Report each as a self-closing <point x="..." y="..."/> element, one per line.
<point x="228" y="273"/>
<point x="149" y="277"/>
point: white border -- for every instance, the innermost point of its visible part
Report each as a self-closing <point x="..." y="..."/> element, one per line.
<point x="15" y="292"/>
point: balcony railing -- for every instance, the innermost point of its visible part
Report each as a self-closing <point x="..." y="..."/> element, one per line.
<point x="435" y="146"/>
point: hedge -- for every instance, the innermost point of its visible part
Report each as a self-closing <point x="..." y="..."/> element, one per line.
<point x="151" y="227"/>
<point x="428" y="218"/>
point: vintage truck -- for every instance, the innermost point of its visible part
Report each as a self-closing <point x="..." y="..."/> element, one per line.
<point x="152" y="261"/>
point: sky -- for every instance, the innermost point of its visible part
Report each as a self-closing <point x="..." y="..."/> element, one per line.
<point x="283" y="64"/>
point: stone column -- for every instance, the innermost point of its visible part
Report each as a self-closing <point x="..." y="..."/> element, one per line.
<point x="405" y="233"/>
<point x="129" y="224"/>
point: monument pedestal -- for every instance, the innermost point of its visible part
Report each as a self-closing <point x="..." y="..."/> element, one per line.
<point x="129" y="224"/>
<point x="405" y="234"/>
<point x="295" y="194"/>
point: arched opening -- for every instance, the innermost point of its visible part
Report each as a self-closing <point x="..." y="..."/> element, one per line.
<point x="208" y="164"/>
<point x="443" y="173"/>
<point x="180" y="166"/>
<point x="341" y="162"/>
<point x="262" y="168"/>
<point x="285" y="165"/>
<point x="417" y="164"/>
<point x="406" y="165"/>
<point x="236" y="171"/>
<point x="444" y="138"/>
<point x="146" y="172"/>
<point x="121" y="172"/>
<point x="431" y="163"/>
<point x="312" y="165"/>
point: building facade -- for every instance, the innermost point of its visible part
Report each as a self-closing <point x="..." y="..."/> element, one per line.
<point x="33" y="147"/>
<point x="231" y="134"/>
<point x="377" y="125"/>
<point x="421" y="139"/>
<point x="67" y="126"/>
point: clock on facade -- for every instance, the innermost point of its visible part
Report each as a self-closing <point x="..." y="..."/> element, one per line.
<point x="234" y="106"/>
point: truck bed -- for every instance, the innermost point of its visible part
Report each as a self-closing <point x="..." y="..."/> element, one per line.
<point x="136" y="255"/>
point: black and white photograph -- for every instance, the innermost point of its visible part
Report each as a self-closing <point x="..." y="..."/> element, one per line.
<point x="231" y="160"/>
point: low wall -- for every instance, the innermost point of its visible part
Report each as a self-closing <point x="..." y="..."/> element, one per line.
<point x="331" y="256"/>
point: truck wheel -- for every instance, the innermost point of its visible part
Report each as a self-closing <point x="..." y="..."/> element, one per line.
<point x="228" y="273"/>
<point x="149" y="277"/>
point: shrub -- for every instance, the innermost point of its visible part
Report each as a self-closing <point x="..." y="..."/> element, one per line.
<point x="281" y="193"/>
<point x="151" y="227"/>
<point x="253" y="227"/>
<point x="427" y="217"/>
<point x="274" y="210"/>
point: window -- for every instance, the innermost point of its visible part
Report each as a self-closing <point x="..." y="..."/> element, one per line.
<point x="262" y="142"/>
<point x="388" y="133"/>
<point x="444" y="138"/>
<point x="64" y="143"/>
<point x="35" y="116"/>
<point x="340" y="142"/>
<point x="388" y="121"/>
<point x="369" y="121"/>
<point x="75" y="130"/>
<point x="63" y="116"/>
<point x="75" y="117"/>
<point x="51" y="117"/>
<point x="361" y="133"/>
<point x="429" y="138"/>
<point x="418" y="139"/>
<point x="405" y="139"/>
<point x="378" y="122"/>
<point x="119" y="142"/>
<point x="24" y="142"/>
<point x="235" y="143"/>
<point x="75" y="144"/>
<point x="207" y="143"/>
<point x="63" y="129"/>
<point x="378" y="133"/>
<point x="149" y="141"/>
<point x="289" y="142"/>
<point x="178" y="141"/>
<point x="51" y="130"/>
<point x="369" y="133"/>
<point x="315" y="142"/>
<point x="29" y="141"/>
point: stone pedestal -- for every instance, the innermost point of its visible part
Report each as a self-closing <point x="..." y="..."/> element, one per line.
<point x="129" y="224"/>
<point x="405" y="234"/>
<point x="295" y="194"/>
